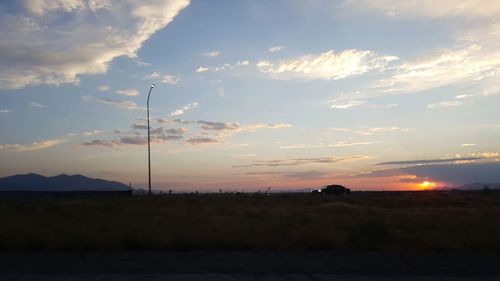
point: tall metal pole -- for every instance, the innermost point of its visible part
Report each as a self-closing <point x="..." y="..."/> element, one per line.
<point x="149" y="145"/>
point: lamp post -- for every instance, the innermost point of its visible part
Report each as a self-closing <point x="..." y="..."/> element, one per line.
<point x="149" y="145"/>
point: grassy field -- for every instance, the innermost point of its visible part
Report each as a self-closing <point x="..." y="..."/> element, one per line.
<point x="391" y="221"/>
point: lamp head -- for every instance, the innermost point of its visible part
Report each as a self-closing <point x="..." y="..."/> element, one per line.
<point x="153" y="85"/>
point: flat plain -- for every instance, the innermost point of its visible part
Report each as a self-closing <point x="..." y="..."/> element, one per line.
<point x="363" y="221"/>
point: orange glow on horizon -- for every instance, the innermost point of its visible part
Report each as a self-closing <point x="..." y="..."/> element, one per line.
<point x="427" y="185"/>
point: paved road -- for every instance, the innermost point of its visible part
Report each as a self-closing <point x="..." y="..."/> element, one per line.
<point x="249" y="266"/>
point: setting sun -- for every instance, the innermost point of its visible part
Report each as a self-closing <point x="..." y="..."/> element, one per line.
<point x="427" y="184"/>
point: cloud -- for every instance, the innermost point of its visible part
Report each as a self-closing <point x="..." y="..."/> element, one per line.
<point x="338" y="144"/>
<point x="103" y="88"/>
<point x="380" y="173"/>
<point x="368" y="131"/>
<point x="93" y="132"/>
<point x="467" y="144"/>
<point x="31" y="147"/>
<point x="54" y="42"/>
<point x="138" y="126"/>
<point x="157" y="136"/>
<point x="198" y="140"/>
<point x="177" y="131"/>
<point x="170" y="137"/>
<point x="128" y="92"/>
<point x="170" y="79"/>
<point x="329" y="65"/>
<point x="428" y="8"/>
<point x="36" y="105"/>
<point x="430" y="161"/>
<point x="118" y="103"/>
<point x="472" y="63"/>
<point x="172" y="121"/>
<point x="3" y="110"/>
<point x="307" y="175"/>
<point x="380" y="130"/>
<point x="458" y="174"/>
<point x="346" y="104"/>
<point x="299" y="161"/>
<point x="211" y="54"/>
<point x="201" y="69"/>
<point x="219" y="126"/>
<point x="236" y="127"/>
<point x="243" y="62"/>
<point x="275" y="49"/>
<point x="444" y="104"/>
<point x="183" y="110"/>
<point x="138" y="140"/>
<point x="101" y="143"/>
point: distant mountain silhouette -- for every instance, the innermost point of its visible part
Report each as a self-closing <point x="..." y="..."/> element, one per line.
<point x="63" y="182"/>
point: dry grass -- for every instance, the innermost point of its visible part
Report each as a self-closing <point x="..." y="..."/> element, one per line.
<point x="425" y="221"/>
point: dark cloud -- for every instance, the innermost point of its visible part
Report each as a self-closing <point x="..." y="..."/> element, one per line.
<point x="263" y="173"/>
<point x="448" y="173"/>
<point x="101" y="143"/>
<point x="308" y="175"/>
<point x="138" y="126"/>
<point x="172" y="121"/>
<point x="458" y="174"/>
<point x="157" y="131"/>
<point x="298" y="161"/>
<point x="218" y="126"/>
<point x="170" y="137"/>
<point x="380" y="173"/>
<point x="430" y="161"/>
<point x="195" y="141"/>
<point x="177" y="131"/>
<point x="134" y="140"/>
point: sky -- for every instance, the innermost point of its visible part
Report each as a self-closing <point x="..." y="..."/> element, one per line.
<point x="371" y="94"/>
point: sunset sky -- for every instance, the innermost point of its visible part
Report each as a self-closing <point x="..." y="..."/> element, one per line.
<point x="371" y="94"/>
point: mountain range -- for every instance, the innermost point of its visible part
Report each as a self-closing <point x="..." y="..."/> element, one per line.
<point x="63" y="182"/>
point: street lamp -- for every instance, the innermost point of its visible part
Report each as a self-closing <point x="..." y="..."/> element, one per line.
<point x="149" y="145"/>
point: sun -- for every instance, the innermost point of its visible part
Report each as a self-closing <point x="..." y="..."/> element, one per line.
<point x="427" y="184"/>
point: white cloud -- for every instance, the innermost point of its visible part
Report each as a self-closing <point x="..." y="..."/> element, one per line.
<point x="346" y="104"/>
<point x="183" y="110"/>
<point x="5" y="111"/>
<point x="118" y="103"/>
<point x="368" y="131"/>
<point x="467" y="144"/>
<point x="53" y="42"/>
<point x="30" y="147"/>
<point x="473" y="62"/>
<point x="230" y="128"/>
<point x="103" y="88"/>
<point x="36" y="105"/>
<point x="201" y="69"/>
<point x="211" y="54"/>
<point x="444" y="104"/>
<point x="128" y="92"/>
<point x="275" y="49"/>
<point x="153" y="75"/>
<point x="338" y="144"/>
<point x="243" y="62"/>
<point x="329" y="65"/>
<point x="442" y="68"/>
<point x="429" y="8"/>
<point x="93" y="132"/>
<point x="170" y="79"/>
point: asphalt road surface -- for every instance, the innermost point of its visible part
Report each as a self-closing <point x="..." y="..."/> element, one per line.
<point x="249" y="266"/>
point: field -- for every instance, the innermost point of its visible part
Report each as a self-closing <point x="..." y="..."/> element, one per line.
<point x="372" y="221"/>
